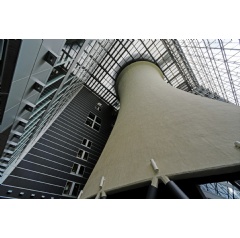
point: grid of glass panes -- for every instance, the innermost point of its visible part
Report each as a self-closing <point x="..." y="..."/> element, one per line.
<point x="93" y="121"/>
<point x="102" y="60"/>
<point x="222" y="189"/>
<point x="216" y="65"/>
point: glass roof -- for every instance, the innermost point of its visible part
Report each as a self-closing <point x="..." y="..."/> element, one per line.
<point x="226" y="189"/>
<point x="205" y="67"/>
<point x="216" y="65"/>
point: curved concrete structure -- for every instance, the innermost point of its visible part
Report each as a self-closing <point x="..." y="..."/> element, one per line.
<point x="186" y="135"/>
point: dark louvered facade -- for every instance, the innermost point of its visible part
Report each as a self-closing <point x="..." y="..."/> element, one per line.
<point x="46" y="169"/>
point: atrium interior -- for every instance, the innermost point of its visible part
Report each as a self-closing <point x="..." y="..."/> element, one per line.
<point x="61" y="71"/>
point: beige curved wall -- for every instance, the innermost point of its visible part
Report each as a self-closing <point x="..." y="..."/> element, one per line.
<point x="187" y="135"/>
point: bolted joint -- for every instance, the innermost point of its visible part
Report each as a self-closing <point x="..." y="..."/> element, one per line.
<point x="101" y="182"/>
<point x="154" y="165"/>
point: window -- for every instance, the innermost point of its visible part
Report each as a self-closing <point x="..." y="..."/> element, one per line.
<point x="84" y="142"/>
<point x="78" y="169"/>
<point x="91" y="116"/>
<point x="76" y="189"/>
<point x="67" y="188"/>
<point x="98" y="120"/>
<point x="82" y="154"/>
<point x="74" y="168"/>
<point x="98" y="107"/>
<point x="89" y="122"/>
<point x="87" y="143"/>
<point x="81" y="170"/>
<point x="72" y="189"/>
<point x="96" y="127"/>
<point x="93" y="121"/>
<point x="85" y="156"/>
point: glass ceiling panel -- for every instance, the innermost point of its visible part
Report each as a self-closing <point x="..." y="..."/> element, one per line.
<point x="204" y="67"/>
<point x="216" y="65"/>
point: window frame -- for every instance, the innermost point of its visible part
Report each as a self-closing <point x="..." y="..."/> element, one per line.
<point x="99" y="106"/>
<point x="92" y="123"/>
<point x="83" y="154"/>
<point x="79" y="166"/>
<point x="87" y="143"/>
<point x="72" y="186"/>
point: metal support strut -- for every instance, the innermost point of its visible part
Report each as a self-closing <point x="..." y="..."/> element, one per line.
<point x="175" y="190"/>
<point x="152" y="189"/>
